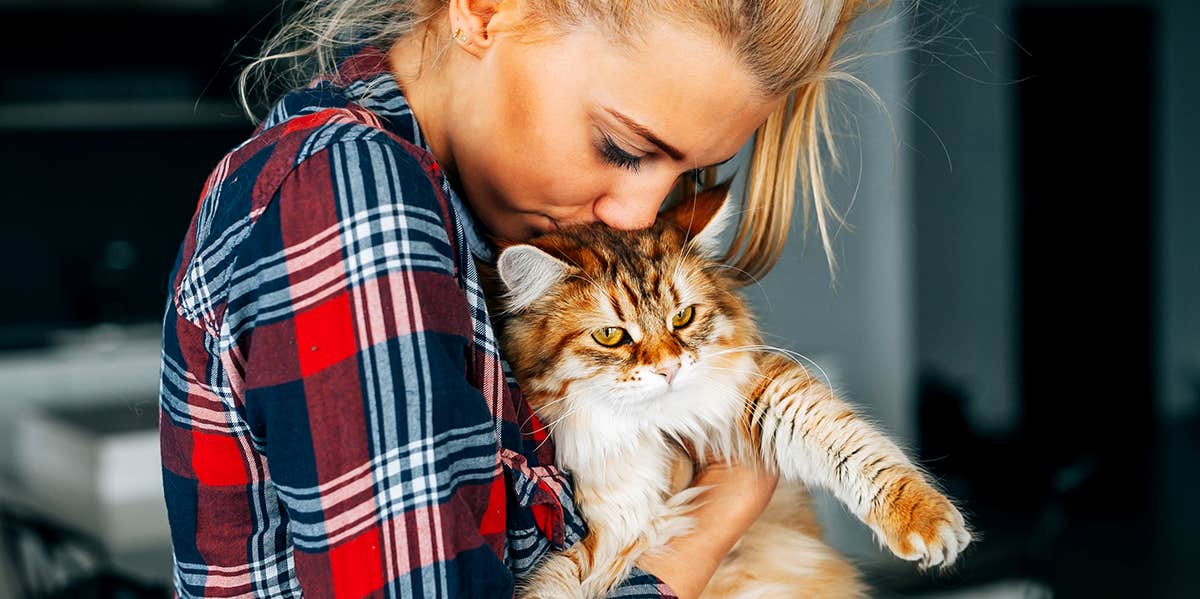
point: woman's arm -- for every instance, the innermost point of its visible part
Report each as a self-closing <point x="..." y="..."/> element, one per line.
<point x="738" y="495"/>
<point x="380" y="451"/>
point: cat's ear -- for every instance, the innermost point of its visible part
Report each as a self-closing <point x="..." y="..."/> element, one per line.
<point x="704" y="217"/>
<point x="527" y="273"/>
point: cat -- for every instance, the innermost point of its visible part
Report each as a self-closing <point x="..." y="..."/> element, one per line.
<point x="637" y="353"/>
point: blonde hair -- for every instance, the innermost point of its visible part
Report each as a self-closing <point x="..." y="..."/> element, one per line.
<point x="788" y="47"/>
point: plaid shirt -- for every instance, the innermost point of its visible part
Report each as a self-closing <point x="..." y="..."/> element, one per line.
<point x="335" y="418"/>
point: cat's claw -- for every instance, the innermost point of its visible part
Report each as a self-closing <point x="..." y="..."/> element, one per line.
<point x="917" y="523"/>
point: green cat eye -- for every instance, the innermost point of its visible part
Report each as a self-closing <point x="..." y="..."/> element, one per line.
<point x="610" y="336"/>
<point x="683" y="317"/>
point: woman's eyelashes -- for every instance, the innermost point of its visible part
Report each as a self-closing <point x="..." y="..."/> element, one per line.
<point x="614" y="155"/>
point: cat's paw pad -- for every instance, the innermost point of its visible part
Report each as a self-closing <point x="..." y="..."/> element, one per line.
<point x="917" y="523"/>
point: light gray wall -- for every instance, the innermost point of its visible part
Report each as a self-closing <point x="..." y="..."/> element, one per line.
<point x="863" y="325"/>
<point x="964" y="208"/>
<point x="862" y="331"/>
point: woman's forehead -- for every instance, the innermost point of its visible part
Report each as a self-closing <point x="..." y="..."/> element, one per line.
<point x="679" y="83"/>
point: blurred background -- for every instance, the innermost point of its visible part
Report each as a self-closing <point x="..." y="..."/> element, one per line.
<point x="1018" y="301"/>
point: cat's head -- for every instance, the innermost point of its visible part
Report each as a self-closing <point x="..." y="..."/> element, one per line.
<point x="640" y="328"/>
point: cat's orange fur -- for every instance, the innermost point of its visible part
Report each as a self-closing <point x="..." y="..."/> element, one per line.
<point x="620" y="415"/>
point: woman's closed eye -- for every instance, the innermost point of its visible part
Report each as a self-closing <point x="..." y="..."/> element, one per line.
<point x="614" y="155"/>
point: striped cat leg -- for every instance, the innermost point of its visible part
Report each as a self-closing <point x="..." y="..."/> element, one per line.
<point x="811" y="435"/>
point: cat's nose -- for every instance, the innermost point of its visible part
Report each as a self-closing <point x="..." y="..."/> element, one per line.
<point x="668" y="370"/>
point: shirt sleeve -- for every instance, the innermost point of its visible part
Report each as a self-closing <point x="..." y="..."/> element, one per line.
<point x="353" y="332"/>
<point x="642" y="585"/>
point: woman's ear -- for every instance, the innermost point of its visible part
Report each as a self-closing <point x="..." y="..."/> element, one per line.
<point x="480" y="20"/>
<point x="528" y="273"/>
<point x="704" y="217"/>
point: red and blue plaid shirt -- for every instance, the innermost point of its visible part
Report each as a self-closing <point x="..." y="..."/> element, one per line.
<point x="335" y="417"/>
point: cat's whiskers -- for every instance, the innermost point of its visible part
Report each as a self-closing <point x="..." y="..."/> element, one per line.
<point x="746" y="402"/>
<point x="594" y="388"/>
<point x="748" y="406"/>
<point x="728" y="350"/>
<point x="787" y="353"/>
<point x="549" y="428"/>
<point x="738" y="371"/>
<point x="555" y="401"/>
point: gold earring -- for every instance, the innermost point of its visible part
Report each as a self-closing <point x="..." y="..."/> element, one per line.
<point x="459" y="35"/>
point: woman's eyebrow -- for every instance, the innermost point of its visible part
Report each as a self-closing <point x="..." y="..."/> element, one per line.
<point x="646" y="133"/>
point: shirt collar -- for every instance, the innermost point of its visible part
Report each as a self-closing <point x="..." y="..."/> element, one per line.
<point x="365" y="78"/>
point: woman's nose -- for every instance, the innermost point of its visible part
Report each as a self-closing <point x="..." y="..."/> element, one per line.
<point x="633" y="208"/>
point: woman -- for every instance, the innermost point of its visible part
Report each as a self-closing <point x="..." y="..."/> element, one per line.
<point x="335" y="419"/>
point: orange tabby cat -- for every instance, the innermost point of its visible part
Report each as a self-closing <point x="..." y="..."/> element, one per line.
<point x="637" y="352"/>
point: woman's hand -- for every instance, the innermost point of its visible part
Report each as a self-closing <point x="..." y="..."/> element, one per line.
<point x="738" y="495"/>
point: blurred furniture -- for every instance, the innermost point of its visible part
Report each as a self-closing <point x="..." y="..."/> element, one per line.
<point x="97" y="468"/>
<point x="42" y="559"/>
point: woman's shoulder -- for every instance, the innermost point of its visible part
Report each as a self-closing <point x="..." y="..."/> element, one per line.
<point x="317" y="157"/>
<point x="352" y="138"/>
<point x="313" y="158"/>
<point x="341" y="161"/>
<point x="354" y="124"/>
<point x="329" y="170"/>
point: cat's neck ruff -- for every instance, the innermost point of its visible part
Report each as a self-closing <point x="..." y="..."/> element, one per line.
<point x="701" y="415"/>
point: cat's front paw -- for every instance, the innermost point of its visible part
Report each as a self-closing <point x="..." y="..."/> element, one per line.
<point x="919" y="524"/>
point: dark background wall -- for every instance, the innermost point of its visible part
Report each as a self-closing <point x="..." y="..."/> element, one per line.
<point x="1058" y="278"/>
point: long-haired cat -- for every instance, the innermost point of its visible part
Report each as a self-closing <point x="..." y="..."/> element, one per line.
<point x="636" y="351"/>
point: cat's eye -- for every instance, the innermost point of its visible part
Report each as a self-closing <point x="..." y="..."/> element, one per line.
<point x="683" y="317"/>
<point x="610" y="336"/>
